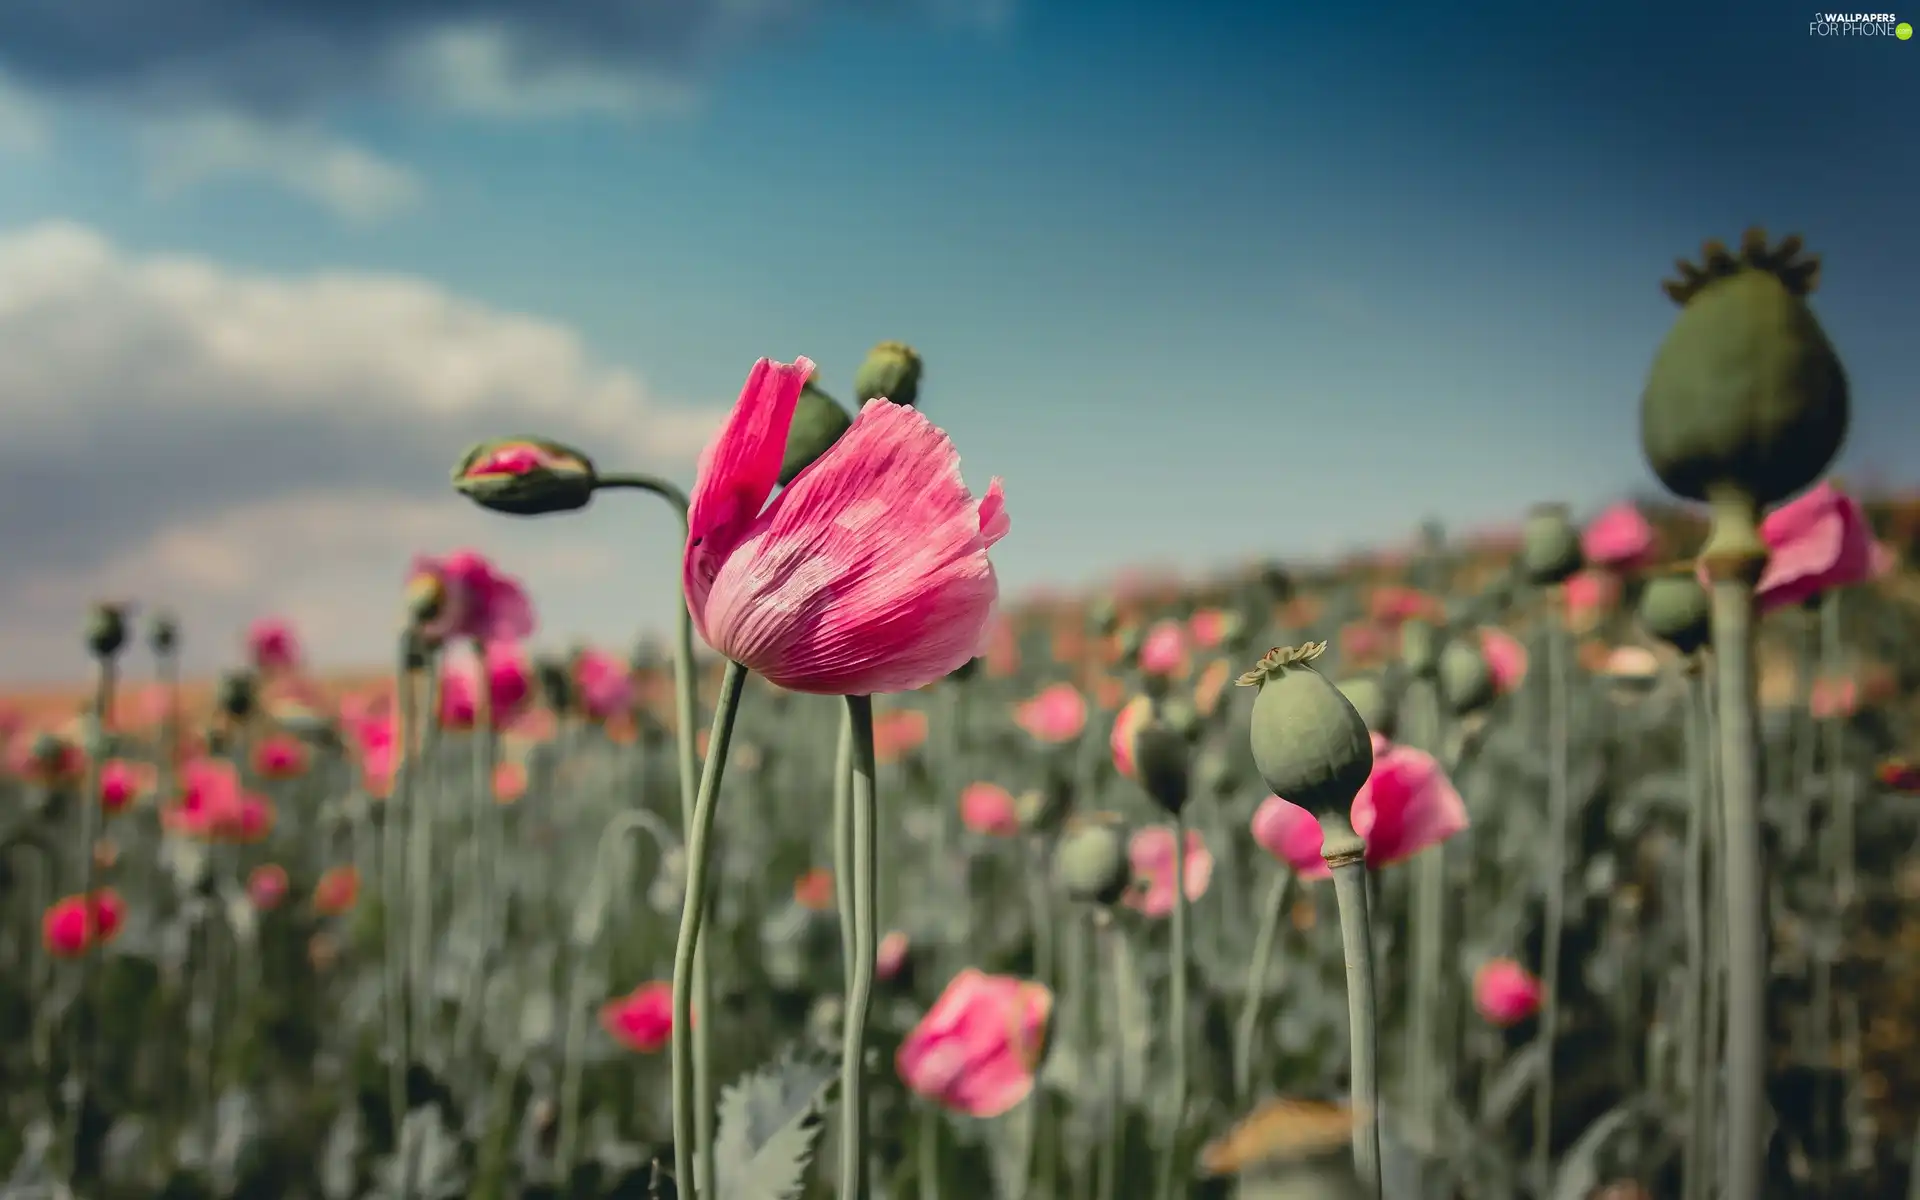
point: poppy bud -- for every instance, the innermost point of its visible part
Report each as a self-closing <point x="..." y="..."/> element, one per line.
<point x="1678" y="611"/>
<point x="891" y="371"/>
<point x="106" y="630"/>
<point x="525" y="476"/>
<point x="1277" y="582"/>
<point x="1162" y="764"/>
<point x="1043" y="809"/>
<point x="1090" y="861"/>
<point x="163" y="634"/>
<point x="1549" y="545"/>
<point x="237" y="695"/>
<point x="1309" y="743"/>
<point x="1467" y="684"/>
<point x="1419" y="648"/>
<point x="818" y="422"/>
<point x="1371" y="700"/>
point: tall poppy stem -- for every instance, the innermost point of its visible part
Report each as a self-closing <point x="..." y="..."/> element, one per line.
<point x="392" y="904"/>
<point x="1694" y="1053"/>
<point x="692" y="911"/>
<point x="1558" y="786"/>
<point x="1263" y="945"/>
<point x="1346" y="855"/>
<point x="853" y="1067"/>
<point x="843" y="851"/>
<point x="1177" y="1015"/>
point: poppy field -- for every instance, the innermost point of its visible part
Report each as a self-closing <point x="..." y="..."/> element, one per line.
<point x="1577" y="859"/>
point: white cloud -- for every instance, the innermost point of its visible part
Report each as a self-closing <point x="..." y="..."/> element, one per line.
<point x="22" y="125"/>
<point x="238" y="443"/>
<point x="348" y="180"/>
<point x="479" y="69"/>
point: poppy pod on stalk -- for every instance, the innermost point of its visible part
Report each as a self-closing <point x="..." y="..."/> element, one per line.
<point x="1677" y="610"/>
<point x="818" y="422"/>
<point x="1309" y="742"/>
<point x="1371" y="699"/>
<point x="1466" y="681"/>
<point x="1090" y="859"/>
<point x="1162" y="764"/>
<point x="891" y="372"/>
<point x="1550" y="546"/>
<point x="106" y="630"/>
<point x="1419" y="648"/>
<point x="525" y="476"/>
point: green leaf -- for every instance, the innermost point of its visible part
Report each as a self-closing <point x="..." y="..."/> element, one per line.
<point x="768" y="1122"/>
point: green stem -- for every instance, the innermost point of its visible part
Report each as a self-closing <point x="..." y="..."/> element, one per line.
<point x="1177" y="1016"/>
<point x="1429" y="947"/>
<point x="1714" y="1045"/>
<point x="1694" y="1053"/>
<point x="1346" y="855"/>
<point x="392" y="905"/>
<point x="843" y="850"/>
<point x="1558" y="686"/>
<point x="419" y="814"/>
<point x="692" y="911"/>
<point x="1263" y="945"/>
<point x="1040" y="898"/>
<point x="1115" y="1054"/>
<point x="929" y="1152"/>
<point x="1838" y="848"/>
<point x="78" y="1065"/>
<point x="853" y="1073"/>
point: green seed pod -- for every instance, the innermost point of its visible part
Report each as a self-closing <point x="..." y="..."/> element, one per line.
<point x="1678" y="611"/>
<point x="1162" y="762"/>
<point x="1466" y="682"/>
<point x="1181" y="717"/>
<point x="237" y="694"/>
<point x="1045" y="808"/>
<point x="1419" y="648"/>
<point x="891" y="372"/>
<point x="106" y="630"/>
<point x="1309" y="743"/>
<point x="1550" y="545"/>
<point x="163" y="634"/>
<point x="525" y="476"/>
<point x="1745" y="395"/>
<point x="1090" y="860"/>
<point x="1370" y="698"/>
<point x="418" y="649"/>
<point x="818" y="422"/>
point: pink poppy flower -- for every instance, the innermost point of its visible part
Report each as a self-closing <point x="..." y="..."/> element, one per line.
<point x="1506" y="659"/>
<point x="976" y="1050"/>
<point x="813" y="891"/>
<point x="1619" y="539"/>
<point x="1506" y="993"/>
<point x="509" y="681"/>
<point x="989" y="808"/>
<point x="272" y="646"/>
<point x="605" y="685"/>
<point x="1164" y="650"/>
<point x="213" y="806"/>
<point x="476" y="600"/>
<point x="890" y="955"/>
<point x="1589" y="595"/>
<point x="1126" y="725"/>
<point x="1406" y="805"/>
<point x="459" y="696"/>
<point x="1002" y="650"/>
<point x="336" y="891"/>
<point x="1208" y="628"/>
<point x="867" y="574"/>
<point x="106" y="914"/>
<point x="897" y="733"/>
<point x="1058" y="714"/>
<point x="280" y="756"/>
<point x="267" y="886"/>
<point x="641" y="1020"/>
<point x="1819" y="541"/>
<point x="1363" y="641"/>
<point x="1394" y="605"/>
<point x="66" y="928"/>
<point x="1151" y="852"/>
<point x="1833" y="698"/>
<point x="122" y="783"/>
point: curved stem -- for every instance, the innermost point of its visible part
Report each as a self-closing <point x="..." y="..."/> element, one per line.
<point x="692" y="910"/>
<point x="853" y="1068"/>
<point x="1177" y="1014"/>
<point x="1346" y="855"/>
<point x="1263" y="945"/>
<point x="1558" y="786"/>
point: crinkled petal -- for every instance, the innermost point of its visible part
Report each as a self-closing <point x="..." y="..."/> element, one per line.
<point x="1406" y="806"/>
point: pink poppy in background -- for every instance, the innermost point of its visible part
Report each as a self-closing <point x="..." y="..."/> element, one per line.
<point x="605" y="685"/>
<point x="867" y="574"/>
<point x="509" y="681"/>
<point x="1058" y="714"/>
<point x="45" y="758"/>
<point x="1506" y="659"/>
<point x="66" y="927"/>
<point x="213" y="806"/>
<point x="1394" y="605"/>
<point x="1620" y="539"/>
<point x="336" y="891"/>
<point x="122" y="783"/>
<point x="1002" y="649"/>
<point x="1164" y="650"/>
<point x="375" y="740"/>
<point x="891" y="955"/>
<point x="106" y="914"/>
<point x="476" y="600"/>
<point x="1833" y="698"/>
<point x="267" y="886"/>
<point x="1589" y="595"/>
<point x="813" y="891"/>
<point x="976" y="1050"/>
<point x="459" y="696"/>
<point x="1407" y="805"/>
<point x="1819" y="541"/>
<point x="1363" y="641"/>
<point x="1208" y="628"/>
<point x="641" y="1020"/>
<point x="1126" y="725"/>
<point x="1151" y="852"/>
<point x="898" y="732"/>
<point x="1506" y="993"/>
<point x="509" y="781"/>
<point x="272" y="646"/>
<point x="989" y="808"/>
<point x="280" y="756"/>
<point x="1212" y="686"/>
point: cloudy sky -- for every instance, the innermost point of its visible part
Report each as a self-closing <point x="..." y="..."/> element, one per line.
<point x="1200" y="280"/>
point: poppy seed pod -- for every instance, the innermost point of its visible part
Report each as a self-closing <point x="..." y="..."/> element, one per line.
<point x="1181" y="717"/>
<point x="1419" y="648"/>
<point x="1090" y="861"/>
<point x="1045" y="808"/>
<point x="818" y="422"/>
<point x="1466" y="682"/>
<point x="1678" y="611"/>
<point x="163" y="634"/>
<point x="1310" y="744"/>
<point x="237" y="694"/>
<point x="106" y="630"/>
<point x="556" y="684"/>
<point x="1371" y="699"/>
<point x="1549" y="545"/>
<point x="1745" y="395"/>
<point x="525" y="476"/>
<point x="1162" y="763"/>
<point x="891" y="372"/>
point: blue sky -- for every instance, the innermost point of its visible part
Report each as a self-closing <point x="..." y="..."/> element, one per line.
<point x="1201" y="281"/>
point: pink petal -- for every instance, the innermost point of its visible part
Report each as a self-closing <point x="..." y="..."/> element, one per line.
<point x="1407" y="805"/>
<point x="994" y="521"/>
<point x="1292" y="835"/>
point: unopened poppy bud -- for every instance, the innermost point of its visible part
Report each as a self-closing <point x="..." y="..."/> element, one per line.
<point x="1549" y="545"/>
<point x="1309" y="743"/>
<point x="1419" y="648"/>
<point x="525" y="476"/>
<point x="237" y="695"/>
<point x="818" y="422"/>
<point x="1277" y="582"/>
<point x="1045" y="808"/>
<point x="1162" y="762"/>
<point x="1090" y="861"/>
<point x="163" y="634"/>
<point x="1372" y="701"/>
<point x="1678" y="611"/>
<point x="892" y="372"/>
<point x="106" y="630"/>
<point x="1467" y="684"/>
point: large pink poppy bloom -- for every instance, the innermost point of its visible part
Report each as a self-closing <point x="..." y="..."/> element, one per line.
<point x="477" y="600"/>
<point x="976" y="1050"/>
<point x="868" y="573"/>
<point x="606" y="685"/>
<point x="1406" y="805"/>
